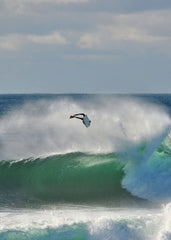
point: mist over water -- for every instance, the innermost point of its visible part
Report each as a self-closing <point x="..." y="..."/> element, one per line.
<point x="43" y="127"/>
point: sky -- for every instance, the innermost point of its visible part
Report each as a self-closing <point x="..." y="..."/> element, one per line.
<point x="85" y="46"/>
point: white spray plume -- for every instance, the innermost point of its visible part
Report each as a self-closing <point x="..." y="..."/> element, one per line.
<point x="44" y="128"/>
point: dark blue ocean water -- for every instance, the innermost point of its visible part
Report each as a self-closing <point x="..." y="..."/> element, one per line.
<point x="61" y="180"/>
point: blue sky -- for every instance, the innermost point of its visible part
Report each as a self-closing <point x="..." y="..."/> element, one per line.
<point x="85" y="46"/>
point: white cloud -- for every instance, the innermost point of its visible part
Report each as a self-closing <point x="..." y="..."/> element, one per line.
<point x="53" y="39"/>
<point x="10" y="42"/>
<point x="17" y="41"/>
<point x="108" y="36"/>
<point x="147" y="28"/>
<point x="101" y="31"/>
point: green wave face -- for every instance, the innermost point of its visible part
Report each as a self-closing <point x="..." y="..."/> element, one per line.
<point x="74" y="177"/>
<point x="88" y="178"/>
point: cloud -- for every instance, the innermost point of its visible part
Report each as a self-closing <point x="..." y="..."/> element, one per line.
<point x="17" y="41"/>
<point x="96" y="33"/>
<point x="53" y="39"/>
<point x="10" y="42"/>
<point x="147" y="28"/>
<point x="108" y="36"/>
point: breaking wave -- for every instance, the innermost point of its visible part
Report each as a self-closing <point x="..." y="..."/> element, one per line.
<point x="124" y="154"/>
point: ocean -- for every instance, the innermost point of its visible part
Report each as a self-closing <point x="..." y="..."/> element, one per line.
<point x="60" y="180"/>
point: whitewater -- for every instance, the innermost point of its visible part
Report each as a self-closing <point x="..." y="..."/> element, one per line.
<point x="61" y="180"/>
